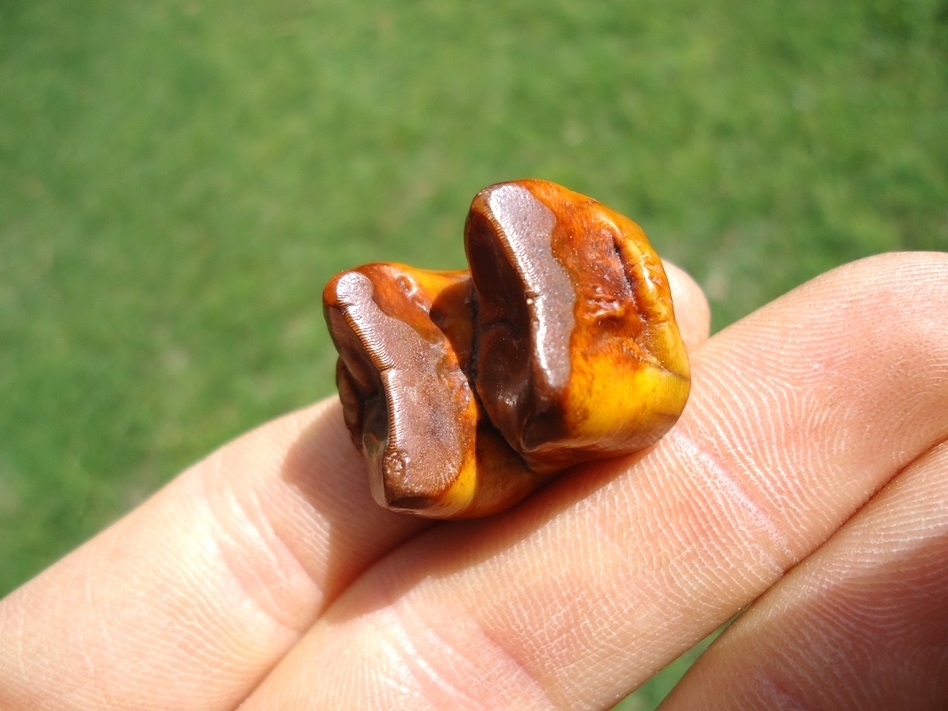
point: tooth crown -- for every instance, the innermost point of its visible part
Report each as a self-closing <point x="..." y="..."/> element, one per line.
<point x="465" y="391"/>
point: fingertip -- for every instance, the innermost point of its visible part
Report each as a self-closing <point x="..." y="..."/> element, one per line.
<point x="692" y="310"/>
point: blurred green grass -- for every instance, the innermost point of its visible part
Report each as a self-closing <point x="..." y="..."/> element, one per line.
<point x="177" y="181"/>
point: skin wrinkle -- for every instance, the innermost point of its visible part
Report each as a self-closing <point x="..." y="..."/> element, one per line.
<point x="502" y="664"/>
<point x="406" y="652"/>
<point x="856" y="404"/>
<point x="150" y="587"/>
<point x="363" y="687"/>
<point x="92" y="685"/>
<point x="522" y="650"/>
<point x="519" y="671"/>
<point x="286" y="515"/>
<point x="552" y="666"/>
<point x="401" y="677"/>
<point x="285" y="519"/>
<point x="808" y="501"/>
<point x="235" y="531"/>
<point x="193" y="647"/>
<point x="530" y="645"/>
<point x="305" y="523"/>
<point x="288" y="531"/>
<point x="563" y="592"/>
<point x="97" y="690"/>
<point x="451" y="656"/>
<point x="230" y="649"/>
<point x="617" y="553"/>
<point x="292" y="574"/>
<point x="336" y="509"/>
<point x="542" y="535"/>
<point x="855" y="620"/>
<point x="425" y="682"/>
<point x="714" y="426"/>
<point x="776" y="559"/>
<point x="414" y="652"/>
<point x="776" y="689"/>
<point x="767" y="465"/>
<point x="662" y="603"/>
<point x="858" y="596"/>
<point x="774" y="693"/>
<point x="389" y="680"/>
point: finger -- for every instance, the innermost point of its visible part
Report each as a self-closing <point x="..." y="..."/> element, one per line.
<point x="861" y="624"/>
<point x="691" y="307"/>
<point x="798" y="414"/>
<point x="191" y="599"/>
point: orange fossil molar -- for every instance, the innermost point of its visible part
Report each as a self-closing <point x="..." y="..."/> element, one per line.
<point x="579" y="354"/>
<point x="405" y="340"/>
<point x="465" y="391"/>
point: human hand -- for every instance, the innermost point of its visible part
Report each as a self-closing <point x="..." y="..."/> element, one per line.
<point x="804" y="485"/>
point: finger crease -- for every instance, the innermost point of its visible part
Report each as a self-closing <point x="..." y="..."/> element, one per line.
<point x="736" y="504"/>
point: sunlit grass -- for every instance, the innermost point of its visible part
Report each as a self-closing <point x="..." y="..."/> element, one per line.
<point x="177" y="182"/>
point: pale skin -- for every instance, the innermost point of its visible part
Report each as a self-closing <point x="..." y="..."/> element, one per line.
<point x="804" y="487"/>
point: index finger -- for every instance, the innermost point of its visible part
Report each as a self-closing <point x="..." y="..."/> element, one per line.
<point x="798" y="415"/>
<point x="190" y="600"/>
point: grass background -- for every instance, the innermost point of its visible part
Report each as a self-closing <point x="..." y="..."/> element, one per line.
<point x="178" y="180"/>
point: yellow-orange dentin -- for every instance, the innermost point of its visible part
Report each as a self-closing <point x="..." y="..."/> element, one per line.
<point x="466" y="391"/>
<point x="405" y="338"/>
<point x="579" y="354"/>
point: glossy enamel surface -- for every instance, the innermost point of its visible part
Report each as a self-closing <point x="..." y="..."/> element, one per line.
<point x="579" y="353"/>
<point x="405" y="339"/>
<point x="465" y="391"/>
